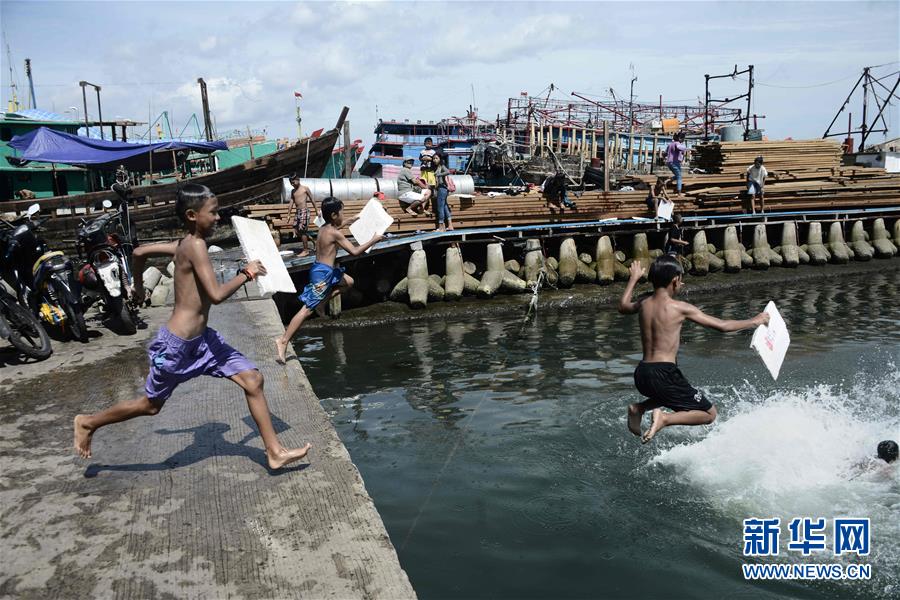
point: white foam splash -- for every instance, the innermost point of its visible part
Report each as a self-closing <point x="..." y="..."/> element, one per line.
<point x="806" y="452"/>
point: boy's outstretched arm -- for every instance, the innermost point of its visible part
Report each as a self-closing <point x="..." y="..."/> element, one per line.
<point x="199" y="257"/>
<point x="139" y="259"/>
<point x="626" y="306"/>
<point x="696" y="315"/>
<point x="344" y="243"/>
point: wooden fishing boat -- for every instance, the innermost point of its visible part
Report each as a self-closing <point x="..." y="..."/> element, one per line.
<point x="152" y="207"/>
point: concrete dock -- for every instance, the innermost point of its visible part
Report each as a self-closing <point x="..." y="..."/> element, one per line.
<point x="181" y="505"/>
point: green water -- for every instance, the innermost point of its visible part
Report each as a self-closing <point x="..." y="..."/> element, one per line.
<point x="498" y="457"/>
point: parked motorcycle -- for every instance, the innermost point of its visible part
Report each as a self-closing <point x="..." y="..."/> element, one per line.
<point x="105" y="243"/>
<point x="21" y="328"/>
<point x="44" y="279"/>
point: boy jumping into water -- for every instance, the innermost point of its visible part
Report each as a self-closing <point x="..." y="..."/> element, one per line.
<point x="325" y="280"/>
<point x="185" y="347"/>
<point x="657" y="376"/>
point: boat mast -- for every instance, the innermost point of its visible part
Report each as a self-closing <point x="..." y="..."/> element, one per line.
<point x="12" y="104"/>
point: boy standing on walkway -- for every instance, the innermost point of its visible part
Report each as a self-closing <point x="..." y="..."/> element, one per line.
<point x="301" y="201"/>
<point x="325" y="279"/>
<point x="185" y="346"/>
<point x="657" y="376"/>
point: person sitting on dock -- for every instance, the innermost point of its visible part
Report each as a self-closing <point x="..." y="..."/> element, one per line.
<point x="301" y="200"/>
<point x="413" y="192"/>
<point x="325" y="279"/>
<point x="555" y="192"/>
<point x="657" y="376"/>
<point x="756" y="181"/>
<point x="185" y="347"/>
<point x="656" y="194"/>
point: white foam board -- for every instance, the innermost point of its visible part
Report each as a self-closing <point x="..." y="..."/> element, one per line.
<point x="257" y="244"/>
<point x="373" y="220"/>
<point x="771" y="341"/>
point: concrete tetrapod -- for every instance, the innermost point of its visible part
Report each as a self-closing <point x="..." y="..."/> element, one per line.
<point x="701" y="259"/>
<point x="417" y="275"/>
<point x="606" y="261"/>
<point x="435" y="289"/>
<point x="568" y="263"/>
<point x="512" y="266"/>
<point x="897" y="233"/>
<point x="152" y="275"/>
<point x="732" y="252"/>
<point x="496" y="275"/>
<point x="840" y="252"/>
<point x="534" y="261"/>
<point x="640" y="251"/>
<point x="790" y="251"/>
<point x="454" y="282"/>
<point x="400" y="293"/>
<point x="161" y="291"/>
<point x="585" y="273"/>
<point x="818" y="253"/>
<point x="884" y="247"/>
<point x="862" y="249"/>
<point x="762" y="253"/>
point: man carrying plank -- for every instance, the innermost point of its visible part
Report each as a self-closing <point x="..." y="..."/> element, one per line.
<point x="657" y="376"/>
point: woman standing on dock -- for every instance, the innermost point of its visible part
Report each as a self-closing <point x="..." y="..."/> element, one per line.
<point x="441" y="173"/>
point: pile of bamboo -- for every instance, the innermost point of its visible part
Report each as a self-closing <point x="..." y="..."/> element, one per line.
<point x="733" y="158"/>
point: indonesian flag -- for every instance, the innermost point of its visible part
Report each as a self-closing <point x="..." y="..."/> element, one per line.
<point x="298" y="95"/>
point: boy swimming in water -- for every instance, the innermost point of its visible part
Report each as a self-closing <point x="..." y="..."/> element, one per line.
<point x="325" y="280"/>
<point x="185" y="346"/>
<point x="657" y="376"/>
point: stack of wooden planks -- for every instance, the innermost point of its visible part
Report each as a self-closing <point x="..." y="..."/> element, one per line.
<point x="733" y="158"/>
<point x="498" y="211"/>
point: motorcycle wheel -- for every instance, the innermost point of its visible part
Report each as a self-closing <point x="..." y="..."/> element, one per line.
<point x="28" y="335"/>
<point x="121" y="316"/>
<point x="75" y="320"/>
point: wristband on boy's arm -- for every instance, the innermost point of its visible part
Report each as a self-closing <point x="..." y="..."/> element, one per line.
<point x="246" y="273"/>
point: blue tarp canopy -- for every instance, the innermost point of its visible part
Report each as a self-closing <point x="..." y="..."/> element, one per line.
<point x="52" y="146"/>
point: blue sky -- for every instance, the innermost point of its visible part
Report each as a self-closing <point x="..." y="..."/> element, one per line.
<point x="421" y="60"/>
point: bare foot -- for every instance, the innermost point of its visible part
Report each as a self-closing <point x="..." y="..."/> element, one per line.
<point x="411" y="211"/>
<point x="659" y="421"/>
<point x="83" y="435"/>
<point x="449" y="227"/>
<point x="320" y="310"/>
<point x="284" y="457"/>
<point x="634" y="419"/>
<point x="281" y="348"/>
<point x="304" y="253"/>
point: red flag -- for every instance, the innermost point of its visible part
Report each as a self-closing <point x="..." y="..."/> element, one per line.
<point x="298" y="95"/>
<point x="316" y="133"/>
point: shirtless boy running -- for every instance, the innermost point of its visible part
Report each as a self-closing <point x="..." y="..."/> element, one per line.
<point x="657" y="376"/>
<point x="185" y="347"/>
<point x="325" y="279"/>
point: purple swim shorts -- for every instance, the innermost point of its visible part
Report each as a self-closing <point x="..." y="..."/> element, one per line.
<point x="174" y="360"/>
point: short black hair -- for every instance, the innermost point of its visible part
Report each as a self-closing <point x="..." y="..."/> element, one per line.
<point x="190" y="196"/>
<point x="331" y="206"/>
<point x="663" y="270"/>
<point x="888" y="450"/>
<point x="428" y="139"/>
<point x="676" y="218"/>
<point x="293" y="176"/>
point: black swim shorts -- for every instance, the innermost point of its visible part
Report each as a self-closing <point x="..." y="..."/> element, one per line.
<point x="664" y="383"/>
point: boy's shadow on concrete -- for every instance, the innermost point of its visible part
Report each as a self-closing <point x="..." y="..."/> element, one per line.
<point x="209" y="440"/>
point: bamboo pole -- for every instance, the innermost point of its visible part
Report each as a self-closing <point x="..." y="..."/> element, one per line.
<point x="594" y="153"/>
<point x="640" y="156"/>
<point x="250" y="142"/>
<point x="653" y="157"/>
